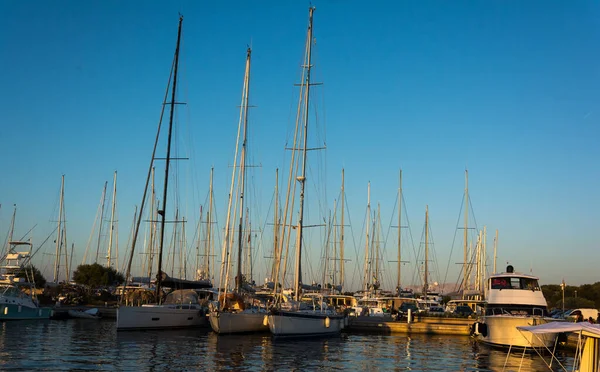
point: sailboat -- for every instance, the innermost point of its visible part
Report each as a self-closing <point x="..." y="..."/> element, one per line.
<point x="296" y="318"/>
<point x="181" y="308"/>
<point x="238" y="311"/>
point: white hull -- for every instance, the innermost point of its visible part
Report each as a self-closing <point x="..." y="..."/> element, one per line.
<point x="502" y="331"/>
<point x="159" y="316"/>
<point x="88" y="314"/>
<point x="240" y="322"/>
<point x="305" y="323"/>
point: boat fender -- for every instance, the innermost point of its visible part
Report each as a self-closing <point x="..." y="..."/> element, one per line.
<point x="266" y="320"/>
<point x="482" y="329"/>
<point x="327" y="322"/>
<point x="473" y="329"/>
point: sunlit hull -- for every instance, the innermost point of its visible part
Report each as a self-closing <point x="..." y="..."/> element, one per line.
<point x="305" y="323"/>
<point x="240" y="322"/>
<point x="501" y="330"/>
<point x="159" y="316"/>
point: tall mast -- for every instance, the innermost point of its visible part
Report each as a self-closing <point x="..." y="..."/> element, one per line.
<point x="209" y="242"/>
<point x="275" y="230"/>
<point x="399" y="232"/>
<point x="101" y="218"/>
<point x="242" y="185"/>
<point x="376" y="246"/>
<point x="64" y="240"/>
<point x="425" y="282"/>
<point x="112" y="220"/>
<point x="366" y="278"/>
<point x="483" y="259"/>
<point x="302" y="178"/>
<point x="153" y="218"/>
<point x="168" y="159"/>
<point x="495" y="249"/>
<point x="466" y="229"/>
<point x="342" y="237"/>
<point x="59" y="230"/>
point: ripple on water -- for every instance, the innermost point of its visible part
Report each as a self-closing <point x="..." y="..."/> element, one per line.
<point x="84" y="344"/>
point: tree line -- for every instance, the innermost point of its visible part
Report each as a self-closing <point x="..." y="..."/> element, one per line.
<point x="583" y="296"/>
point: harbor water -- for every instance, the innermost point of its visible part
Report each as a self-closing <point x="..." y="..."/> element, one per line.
<point x="87" y="344"/>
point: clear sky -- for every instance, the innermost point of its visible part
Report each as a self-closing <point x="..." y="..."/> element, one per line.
<point x="509" y="90"/>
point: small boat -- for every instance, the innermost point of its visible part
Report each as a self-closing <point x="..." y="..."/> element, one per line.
<point x="513" y="300"/>
<point x="85" y="314"/>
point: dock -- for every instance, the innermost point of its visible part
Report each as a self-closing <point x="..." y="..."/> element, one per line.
<point x="423" y="325"/>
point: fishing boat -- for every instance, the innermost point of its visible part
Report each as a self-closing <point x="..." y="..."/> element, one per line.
<point x="513" y="300"/>
<point x="181" y="308"/>
<point x="238" y="310"/>
<point x="17" y="292"/>
<point x="293" y="317"/>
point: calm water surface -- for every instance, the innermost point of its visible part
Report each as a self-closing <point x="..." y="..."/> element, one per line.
<point x="86" y="344"/>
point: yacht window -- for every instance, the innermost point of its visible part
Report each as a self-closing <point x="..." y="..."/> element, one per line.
<point x="515" y="283"/>
<point x="500" y="283"/>
<point x="530" y="284"/>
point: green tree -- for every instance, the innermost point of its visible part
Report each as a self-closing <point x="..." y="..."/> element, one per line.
<point x="95" y="275"/>
<point x="38" y="278"/>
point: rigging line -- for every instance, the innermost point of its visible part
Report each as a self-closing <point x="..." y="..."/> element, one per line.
<point x="452" y="249"/>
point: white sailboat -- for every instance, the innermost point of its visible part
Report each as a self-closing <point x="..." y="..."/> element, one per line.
<point x="296" y="318"/>
<point x="181" y="308"/>
<point x="238" y="311"/>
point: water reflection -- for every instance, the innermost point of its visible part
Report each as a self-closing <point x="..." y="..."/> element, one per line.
<point x="95" y="345"/>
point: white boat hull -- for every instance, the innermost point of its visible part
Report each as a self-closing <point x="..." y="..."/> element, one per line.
<point x="87" y="314"/>
<point x="240" y="322"/>
<point x="304" y="323"/>
<point x="159" y="316"/>
<point x="501" y="330"/>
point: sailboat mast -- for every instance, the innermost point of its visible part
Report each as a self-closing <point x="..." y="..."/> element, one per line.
<point x="466" y="230"/>
<point x="399" y="232"/>
<point x="209" y="242"/>
<point x="275" y="230"/>
<point x="366" y="278"/>
<point x="112" y="220"/>
<point x="168" y="159"/>
<point x="495" y="249"/>
<point x="242" y="186"/>
<point x="425" y="281"/>
<point x="342" y="237"/>
<point x="59" y="230"/>
<point x="302" y="178"/>
<point x="101" y="218"/>
<point x="153" y="218"/>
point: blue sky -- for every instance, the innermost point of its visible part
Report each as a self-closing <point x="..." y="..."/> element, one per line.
<point x="508" y="90"/>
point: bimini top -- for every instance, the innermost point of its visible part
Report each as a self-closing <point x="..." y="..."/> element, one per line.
<point x="586" y="328"/>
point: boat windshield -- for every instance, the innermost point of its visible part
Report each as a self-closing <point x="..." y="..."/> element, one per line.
<point x="515" y="283"/>
<point x="182" y="296"/>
